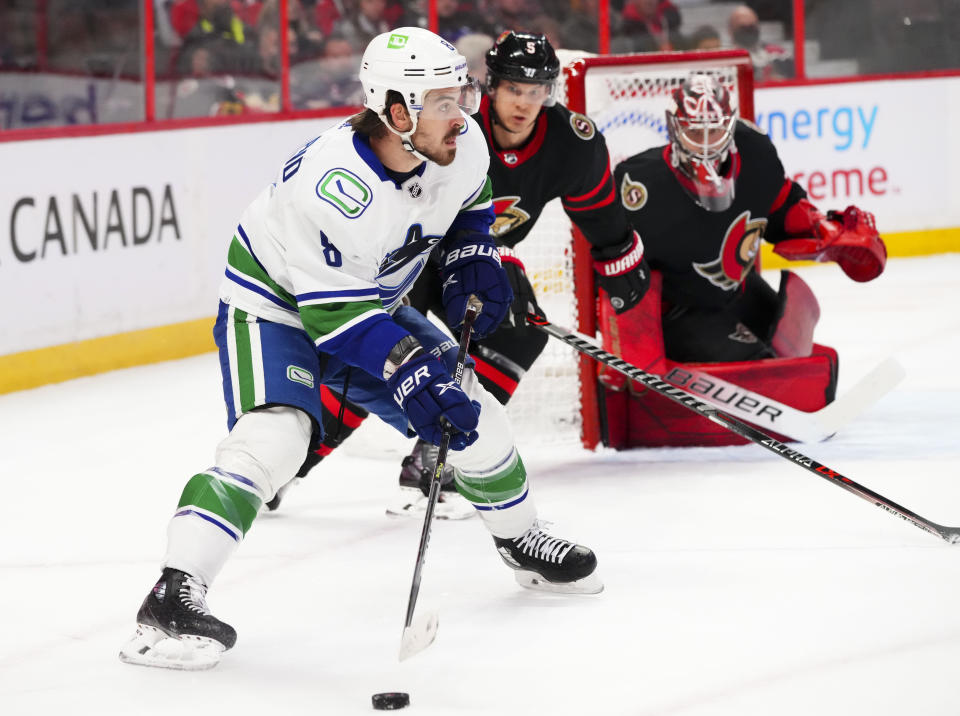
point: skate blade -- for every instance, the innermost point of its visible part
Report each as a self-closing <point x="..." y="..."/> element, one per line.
<point x="419" y="635"/>
<point x="450" y="506"/>
<point x="590" y="584"/>
<point x="152" y="647"/>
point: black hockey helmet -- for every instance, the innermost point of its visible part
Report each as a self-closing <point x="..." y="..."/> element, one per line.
<point x="522" y="57"/>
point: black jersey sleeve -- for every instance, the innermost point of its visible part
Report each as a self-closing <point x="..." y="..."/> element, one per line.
<point x="753" y="141"/>
<point x="590" y="198"/>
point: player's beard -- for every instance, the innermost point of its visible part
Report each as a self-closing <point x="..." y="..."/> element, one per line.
<point x="441" y="155"/>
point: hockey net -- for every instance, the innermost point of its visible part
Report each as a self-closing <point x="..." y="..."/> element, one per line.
<point x="625" y="96"/>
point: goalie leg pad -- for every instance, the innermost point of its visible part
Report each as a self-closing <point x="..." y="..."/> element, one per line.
<point x="799" y="311"/>
<point x="652" y="420"/>
<point x="636" y="335"/>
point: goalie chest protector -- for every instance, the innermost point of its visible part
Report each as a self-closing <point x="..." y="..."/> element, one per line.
<point x="704" y="255"/>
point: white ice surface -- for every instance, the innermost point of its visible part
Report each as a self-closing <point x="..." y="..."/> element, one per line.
<point x="736" y="582"/>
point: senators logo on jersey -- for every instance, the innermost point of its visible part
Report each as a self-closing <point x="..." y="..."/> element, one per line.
<point x="633" y="194"/>
<point x="509" y="215"/>
<point x="738" y="253"/>
<point x="582" y="125"/>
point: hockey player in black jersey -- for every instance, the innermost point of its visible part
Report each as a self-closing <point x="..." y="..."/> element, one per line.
<point x="703" y="203"/>
<point x="539" y="150"/>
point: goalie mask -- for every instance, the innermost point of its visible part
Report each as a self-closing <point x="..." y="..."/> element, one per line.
<point x="701" y="119"/>
<point x="414" y="61"/>
<point x="524" y="57"/>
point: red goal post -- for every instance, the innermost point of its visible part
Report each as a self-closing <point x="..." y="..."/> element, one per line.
<point x="625" y="96"/>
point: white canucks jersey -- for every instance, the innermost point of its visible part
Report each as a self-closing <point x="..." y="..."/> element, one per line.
<point x="333" y="244"/>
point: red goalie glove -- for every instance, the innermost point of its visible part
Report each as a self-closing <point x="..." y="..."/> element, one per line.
<point x="849" y="238"/>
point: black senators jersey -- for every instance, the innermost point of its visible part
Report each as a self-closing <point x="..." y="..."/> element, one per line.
<point x="705" y="256"/>
<point x="565" y="157"/>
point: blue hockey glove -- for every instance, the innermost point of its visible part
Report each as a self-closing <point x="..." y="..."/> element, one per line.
<point x="428" y="395"/>
<point x="471" y="265"/>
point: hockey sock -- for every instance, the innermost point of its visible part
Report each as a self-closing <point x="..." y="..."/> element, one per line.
<point x="500" y="495"/>
<point x="340" y="419"/>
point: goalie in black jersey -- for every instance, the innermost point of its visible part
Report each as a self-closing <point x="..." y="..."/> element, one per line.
<point x="703" y="202"/>
<point x="539" y="150"/>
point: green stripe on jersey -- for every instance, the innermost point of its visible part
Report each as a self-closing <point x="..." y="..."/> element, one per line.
<point x="244" y="377"/>
<point x="236" y="506"/>
<point x="322" y="319"/>
<point x="499" y="487"/>
<point x="484" y="197"/>
<point x="240" y="260"/>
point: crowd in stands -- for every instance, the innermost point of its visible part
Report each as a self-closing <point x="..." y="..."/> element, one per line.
<point x="235" y="45"/>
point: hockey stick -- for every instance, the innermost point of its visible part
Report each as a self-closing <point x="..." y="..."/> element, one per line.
<point x="589" y="348"/>
<point x="418" y="636"/>
<point x="760" y="410"/>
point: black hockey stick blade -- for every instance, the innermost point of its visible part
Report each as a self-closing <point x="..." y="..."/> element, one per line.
<point x="588" y="347"/>
<point x="419" y="633"/>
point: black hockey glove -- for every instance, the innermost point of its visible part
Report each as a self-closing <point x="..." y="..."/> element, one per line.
<point x="622" y="272"/>
<point x="471" y="266"/>
<point x="524" y="300"/>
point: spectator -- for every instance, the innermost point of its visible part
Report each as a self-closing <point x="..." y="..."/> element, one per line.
<point x="705" y="37"/>
<point x="327" y="12"/>
<point x="651" y="25"/>
<point x="581" y="31"/>
<point x="456" y="19"/>
<point x="334" y="83"/>
<point x="304" y="40"/>
<point x="227" y="43"/>
<point x="474" y="48"/>
<point x="770" y="61"/>
<point x="503" y="15"/>
<point x="364" y="22"/>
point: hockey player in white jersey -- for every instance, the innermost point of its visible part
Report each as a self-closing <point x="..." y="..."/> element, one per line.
<point x="316" y="273"/>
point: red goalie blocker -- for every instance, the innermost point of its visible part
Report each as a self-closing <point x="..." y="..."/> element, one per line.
<point x="632" y="416"/>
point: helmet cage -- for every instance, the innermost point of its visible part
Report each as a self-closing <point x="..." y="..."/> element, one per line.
<point x="701" y="120"/>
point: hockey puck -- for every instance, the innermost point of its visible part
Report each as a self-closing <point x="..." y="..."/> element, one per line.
<point x="390" y="701"/>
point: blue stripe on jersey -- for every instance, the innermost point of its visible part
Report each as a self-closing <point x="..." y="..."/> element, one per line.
<point x="246" y="242"/>
<point x="269" y="295"/>
<point x="350" y="293"/>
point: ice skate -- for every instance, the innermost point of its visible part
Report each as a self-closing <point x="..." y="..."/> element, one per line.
<point x="175" y="629"/>
<point x="547" y="563"/>
<point x="415" y="475"/>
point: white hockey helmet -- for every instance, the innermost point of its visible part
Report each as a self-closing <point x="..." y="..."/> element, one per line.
<point x="413" y="61"/>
